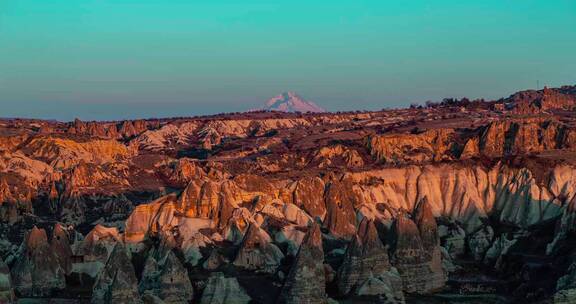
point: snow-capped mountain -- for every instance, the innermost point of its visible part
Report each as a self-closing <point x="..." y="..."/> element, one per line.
<point x="291" y="102"/>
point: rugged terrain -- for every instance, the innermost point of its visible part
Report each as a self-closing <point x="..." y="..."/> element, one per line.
<point x="455" y="202"/>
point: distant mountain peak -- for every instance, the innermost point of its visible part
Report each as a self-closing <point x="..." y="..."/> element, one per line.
<point x="291" y="102"/>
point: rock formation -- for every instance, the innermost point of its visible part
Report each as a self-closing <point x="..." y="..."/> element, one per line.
<point x="60" y="246"/>
<point x="37" y="271"/>
<point x="453" y="238"/>
<point x="401" y="148"/>
<point x="305" y="282"/>
<point x="257" y="251"/>
<point x="341" y="218"/>
<point x="308" y="195"/>
<point x="366" y="269"/>
<point x="418" y="261"/>
<point x="531" y="101"/>
<point x="566" y="287"/>
<point x="222" y="290"/>
<point x="480" y="241"/>
<point x="117" y="281"/>
<point x="6" y="289"/>
<point x="98" y="244"/>
<point x="167" y="279"/>
<point x="484" y="192"/>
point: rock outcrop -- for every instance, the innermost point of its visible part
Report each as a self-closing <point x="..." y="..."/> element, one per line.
<point x="387" y="287"/>
<point x="6" y="288"/>
<point x="531" y="101"/>
<point x="167" y="279"/>
<point x="168" y="137"/>
<point x="566" y="287"/>
<point x="60" y="246"/>
<point x="117" y="281"/>
<point x="291" y="102"/>
<point x="420" y="269"/>
<point x="337" y="156"/>
<point x="428" y="228"/>
<point x="366" y="269"/>
<point x="98" y="244"/>
<point x="309" y="196"/>
<point x="480" y="241"/>
<point x="257" y="251"/>
<point x="66" y="153"/>
<point x="222" y="290"/>
<point x="453" y="238"/>
<point x="401" y="148"/>
<point x="305" y="282"/>
<point x="514" y="137"/>
<point x="37" y="271"/>
<point x="341" y="217"/>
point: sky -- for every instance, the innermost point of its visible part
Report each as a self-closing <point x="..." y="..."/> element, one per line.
<point x="115" y="59"/>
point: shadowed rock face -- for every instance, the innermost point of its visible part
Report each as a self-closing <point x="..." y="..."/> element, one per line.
<point x="480" y="241"/>
<point x="257" y="251"/>
<point x="566" y="287"/>
<point x="37" y="271"/>
<point x="430" y="242"/>
<point x="214" y="260"/>
<point x="6" y="289"/>
<point x="117" y="281"/>
<point x="453" y="239"/>
<point x="420" y="267"/>
<point x="166" y="279"/>
<point x="222" y="290"/>
<point x="305" y="282"/>
<point x="366" y="257"/>
<point x="60" y="245"/>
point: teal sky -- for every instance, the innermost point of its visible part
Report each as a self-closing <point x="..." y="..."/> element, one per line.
<point x="111" y="59"/>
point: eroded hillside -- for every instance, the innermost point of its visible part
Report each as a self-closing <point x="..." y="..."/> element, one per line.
<point x="407" y="205"/>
